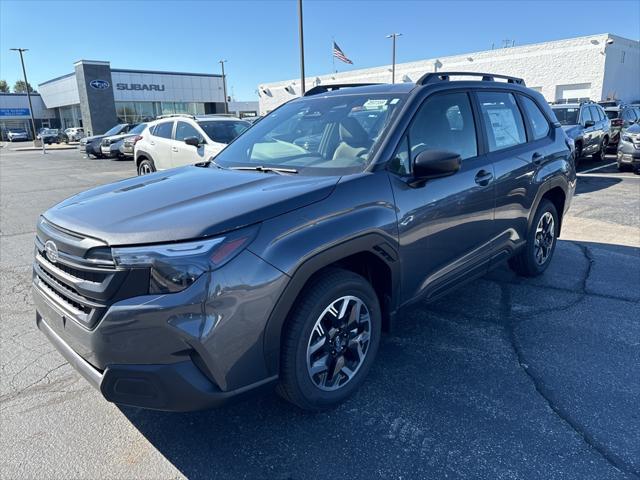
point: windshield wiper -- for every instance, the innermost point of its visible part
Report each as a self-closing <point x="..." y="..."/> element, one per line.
<point x="260" y="168"/>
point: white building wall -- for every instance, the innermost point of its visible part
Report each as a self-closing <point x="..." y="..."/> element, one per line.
<point x="177" y="87"/>
<point x="550" y="67"/>
<point x="622" y="71"/>
<point x="60" y="92"/>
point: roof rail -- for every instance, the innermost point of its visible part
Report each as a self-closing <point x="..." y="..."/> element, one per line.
<point x="565" y="101"/>
<point x="445" y="77"/>
<point x="334" y="86"/>
<point x="169" y="115"/>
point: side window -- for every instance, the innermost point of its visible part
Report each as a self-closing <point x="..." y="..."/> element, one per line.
<point x="594" y="114"/>
<point x="401" y="163"/>
<point x="184" y="130"/>
<point x="505" y="127"/>
<point x="586" y="115"/>
<point x="444" y="122"/>
<point x="601" y="113"/>
<point x="163" y="130"/>
<point x="538" y="121"/>
<point x="628" y="116"/>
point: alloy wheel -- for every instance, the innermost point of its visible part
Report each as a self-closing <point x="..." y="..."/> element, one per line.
<point x="545" y="236"/>
<point x="339" y="343"/>
<point x="145" y="168"/>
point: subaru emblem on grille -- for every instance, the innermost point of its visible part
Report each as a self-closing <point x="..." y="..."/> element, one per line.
<point x="51" y="251"/>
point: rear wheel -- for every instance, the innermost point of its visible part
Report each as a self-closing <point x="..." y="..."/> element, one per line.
<point x="146" y="166"/>
<point x="536" y="256"/>
<point x="330" y="341"/>
<point x="578" y="153"/>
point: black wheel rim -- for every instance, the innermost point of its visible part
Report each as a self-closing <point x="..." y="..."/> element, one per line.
<point x="339" y="343"/>
<point x="545" y="236"/>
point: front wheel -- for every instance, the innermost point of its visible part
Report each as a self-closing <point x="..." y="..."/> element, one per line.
<point x="599" y="155"/>
<point x="536" y="255"/>
<point x="330" y="340"/>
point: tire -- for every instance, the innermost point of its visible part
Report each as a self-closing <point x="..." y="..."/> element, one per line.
<point x="599" y="155"/>
<point x="338" y="337"/>
<point x="527" y="262"/>
<point x="146" y="166"/>
<point x="578" y="154"/>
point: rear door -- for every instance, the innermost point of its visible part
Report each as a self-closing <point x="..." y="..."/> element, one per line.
<point x="519" y="140"/>
<point x="445" y="224"/>
<point x="589" y="137"/>
<point x="160" y="141"/>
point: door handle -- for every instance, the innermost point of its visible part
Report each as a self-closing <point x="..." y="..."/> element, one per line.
<point x="483" y="177"/>
<point x="537" y="158"/>
<point x="152" y="143"/>
<point x="174" y="149"/>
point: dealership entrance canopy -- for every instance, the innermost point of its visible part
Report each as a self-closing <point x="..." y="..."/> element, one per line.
<point x="96" y="97"/>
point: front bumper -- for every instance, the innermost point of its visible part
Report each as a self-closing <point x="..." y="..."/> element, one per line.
<point x="190" y="350"/>
<point x="108" y="152"/>
<point x="176" y="387"/>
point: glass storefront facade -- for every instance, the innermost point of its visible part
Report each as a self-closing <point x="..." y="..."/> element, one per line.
<point x="136" y="112"/>
<point x="70" y="116"/>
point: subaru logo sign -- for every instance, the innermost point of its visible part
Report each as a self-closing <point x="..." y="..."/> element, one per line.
<point x="99" y="84"/>
<point x="51" y="251"/>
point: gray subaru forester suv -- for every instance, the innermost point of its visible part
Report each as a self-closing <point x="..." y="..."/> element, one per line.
<point x="280" y="262"/>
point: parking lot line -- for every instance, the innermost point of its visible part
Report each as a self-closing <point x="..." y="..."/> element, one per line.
<point x="598" y="168"/>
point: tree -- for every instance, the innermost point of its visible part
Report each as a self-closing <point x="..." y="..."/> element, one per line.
<point x="20" y="87"/>
<point x="4" y="86"/>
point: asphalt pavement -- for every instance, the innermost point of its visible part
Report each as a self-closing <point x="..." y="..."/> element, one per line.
<point x="506" y="378"/>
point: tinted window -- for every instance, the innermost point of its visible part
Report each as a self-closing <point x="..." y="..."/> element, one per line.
<point x="223" y="131"/>
<point x="184" y="130"/>
<point x="595" y="114"/>
<point x="628" y="115"/>
<point x="539" y="123"/>
<point x="163" y="130"/>
<point x="444" y="122"/>
<point x="503" y="120"/>
<point x="612" y="114"/>
<point x="566" y="116"/>
<point x="586" y="115"/>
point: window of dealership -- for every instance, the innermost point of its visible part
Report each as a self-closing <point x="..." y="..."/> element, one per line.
<point x="136" y="112"/>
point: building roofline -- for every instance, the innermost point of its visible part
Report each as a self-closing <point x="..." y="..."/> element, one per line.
<point x="20" y="94"/>
<point x="162" y="72"/>
<point x="57" y="78"/>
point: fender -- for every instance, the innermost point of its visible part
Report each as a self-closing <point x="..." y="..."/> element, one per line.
<point x="146" y="154"/>
<point x="548" y="185"/>
<point x="371" y="242"/>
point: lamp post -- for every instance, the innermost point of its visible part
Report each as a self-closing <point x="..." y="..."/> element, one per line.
<point x="301" y="34"/>
<point x="24" y="72"/>
<point x="224" y="86"/>
<point x="393" y="36"/>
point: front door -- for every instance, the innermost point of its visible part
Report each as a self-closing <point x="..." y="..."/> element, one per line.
<point x="161" y="139"/>
<point x="444" y="225"/>
<point x="183" y="154"/>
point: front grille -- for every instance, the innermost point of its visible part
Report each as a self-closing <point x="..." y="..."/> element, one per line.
<point x="83" y="288"/>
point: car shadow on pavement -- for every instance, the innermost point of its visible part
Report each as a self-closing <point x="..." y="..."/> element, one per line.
<point x="593" y="184"/>
<point x="504" y="377"/>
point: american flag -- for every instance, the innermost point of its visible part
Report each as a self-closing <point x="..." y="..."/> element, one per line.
<point x="339" y="54"/>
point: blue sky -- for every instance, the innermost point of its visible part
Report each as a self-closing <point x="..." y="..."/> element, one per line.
<point x="260" y="38"/>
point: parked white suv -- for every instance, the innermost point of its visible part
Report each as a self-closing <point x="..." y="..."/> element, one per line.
<point x="183" y="139"/>
<point x="74" y="133"/>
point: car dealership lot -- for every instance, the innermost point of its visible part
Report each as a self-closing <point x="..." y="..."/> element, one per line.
<point x="505" y="378"/>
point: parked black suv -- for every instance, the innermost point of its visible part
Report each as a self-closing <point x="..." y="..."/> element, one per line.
<point x="587" y="125"/>
<point x="276" y="265"/>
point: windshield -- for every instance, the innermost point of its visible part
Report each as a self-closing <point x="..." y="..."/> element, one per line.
<point x="567" y="116"/>
<point x="322" y="136"/>
<point x="115" y="130"/>
<point x="223" y="131"/>
<point x="138" y="129"/>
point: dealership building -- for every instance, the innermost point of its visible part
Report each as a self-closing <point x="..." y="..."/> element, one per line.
<point x="96" y="97"/>
<point x="595" y="67"/>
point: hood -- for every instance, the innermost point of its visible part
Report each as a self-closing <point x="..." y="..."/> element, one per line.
<point x="117" y="138"/>
<point x="91" y="139"/>
<point x="185" y="203"/>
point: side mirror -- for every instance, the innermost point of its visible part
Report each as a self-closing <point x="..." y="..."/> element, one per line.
<point x="589" y="123"/>
<point x="430" y="164"/>
<point x="193" y="141"/>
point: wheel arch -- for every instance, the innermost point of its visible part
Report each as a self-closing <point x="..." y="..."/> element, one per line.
<point x="556" y="192"/>
<point x="143" y="155"/>
<point x="369" y="255"/>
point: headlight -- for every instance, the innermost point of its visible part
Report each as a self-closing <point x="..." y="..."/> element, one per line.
<point x="625" y="138"/>
<point x="174" y="267"/>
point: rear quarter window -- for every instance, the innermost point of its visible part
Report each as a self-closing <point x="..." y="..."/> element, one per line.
<point x="539" y="123"/>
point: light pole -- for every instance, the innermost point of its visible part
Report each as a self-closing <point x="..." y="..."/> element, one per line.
<point x="393" y="36"/>
<point x="301" y="34"/>
<point x="24" y="72"/>
<point x="224" y="86"/>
